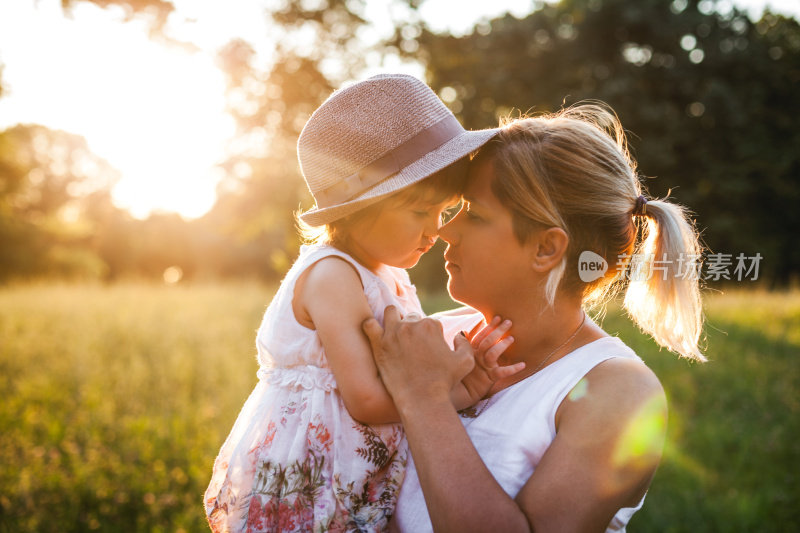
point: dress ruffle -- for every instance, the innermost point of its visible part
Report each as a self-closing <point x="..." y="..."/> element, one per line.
<point x="302" y="376"/>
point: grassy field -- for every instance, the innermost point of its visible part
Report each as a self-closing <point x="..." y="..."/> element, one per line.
<point x="116" y="399"/>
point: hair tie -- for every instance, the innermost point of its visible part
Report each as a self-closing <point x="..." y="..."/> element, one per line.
<point x="640" y="209"/>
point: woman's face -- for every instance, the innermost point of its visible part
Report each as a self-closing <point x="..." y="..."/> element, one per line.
<point x="486" y="263"/>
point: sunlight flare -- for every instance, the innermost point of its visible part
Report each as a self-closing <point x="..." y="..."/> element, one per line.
<point x="154" y="111"/>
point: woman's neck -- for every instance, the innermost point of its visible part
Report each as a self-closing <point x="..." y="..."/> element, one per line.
<point x="544" y="334"/>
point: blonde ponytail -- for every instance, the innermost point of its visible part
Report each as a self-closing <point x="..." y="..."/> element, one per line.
<point x="663" y="294"/>
<point x="572" y="170"/>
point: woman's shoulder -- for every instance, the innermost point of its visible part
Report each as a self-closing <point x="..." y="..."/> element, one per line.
<point x="620" y="368"/>
<point x="617" y="381"/>
<point x="624" y="373"/>
<point x="617" y="385"/>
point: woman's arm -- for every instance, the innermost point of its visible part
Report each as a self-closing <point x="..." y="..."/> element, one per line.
<point x="609" y="437"/>
<point x="419" y="370"/>
<point x="585" y="476"/>
<point x="460" y="492"/>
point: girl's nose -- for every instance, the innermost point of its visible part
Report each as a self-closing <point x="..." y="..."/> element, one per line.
<point x="447" y="231"/>
<point x="431" y="229"/>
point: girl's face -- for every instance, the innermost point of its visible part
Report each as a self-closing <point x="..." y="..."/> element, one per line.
<point x="397" y="236"/>
<point x="486" y="263"/>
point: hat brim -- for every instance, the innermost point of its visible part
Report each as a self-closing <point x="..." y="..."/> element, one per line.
<point x="432" y="162"/>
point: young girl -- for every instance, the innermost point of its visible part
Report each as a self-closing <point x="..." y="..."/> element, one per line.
<point x="314" y="447"/>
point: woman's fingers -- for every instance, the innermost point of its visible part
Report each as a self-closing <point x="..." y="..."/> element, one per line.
<point x="463" y="353"/>
<point x="391" y="316"/>
<point x="374" y="332"/>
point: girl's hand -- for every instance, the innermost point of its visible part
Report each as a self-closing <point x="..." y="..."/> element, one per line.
<point x="488" y="345"/>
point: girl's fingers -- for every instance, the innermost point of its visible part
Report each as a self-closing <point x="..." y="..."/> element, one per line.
<point x="500" y="372"/>
<point x="492" y="338"/>
<point x="484" y="332"/>
<point x="493" y="353"/>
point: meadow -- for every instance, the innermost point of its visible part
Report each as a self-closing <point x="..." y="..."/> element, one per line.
<point x="115" y="400"/>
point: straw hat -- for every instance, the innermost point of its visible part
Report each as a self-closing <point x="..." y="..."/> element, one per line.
<point x="374" y="138"/>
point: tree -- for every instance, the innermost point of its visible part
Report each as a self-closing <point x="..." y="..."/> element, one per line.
<point x="271" y="99"/>
<point x="46" y="178"/>
<point x="709" y="99"/>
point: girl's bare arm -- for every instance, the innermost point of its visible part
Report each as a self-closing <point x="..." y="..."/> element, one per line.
<point x="331" y="294"/>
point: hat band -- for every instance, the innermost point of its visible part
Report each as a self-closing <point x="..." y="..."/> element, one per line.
<point x="390" y="163"/>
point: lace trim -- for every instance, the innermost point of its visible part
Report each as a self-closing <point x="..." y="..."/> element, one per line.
<point x="306" y="376"/>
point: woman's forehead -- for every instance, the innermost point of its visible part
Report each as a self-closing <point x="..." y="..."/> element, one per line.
<point x="479" y="185"/>
<point x="431" y="203"/>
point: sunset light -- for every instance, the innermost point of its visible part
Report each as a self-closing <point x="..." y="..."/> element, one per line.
<point x="154" y="109"/>
<point x="230" y="300"/>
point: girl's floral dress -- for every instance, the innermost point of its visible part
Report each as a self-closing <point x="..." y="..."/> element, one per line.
<point x="295" y="459"/>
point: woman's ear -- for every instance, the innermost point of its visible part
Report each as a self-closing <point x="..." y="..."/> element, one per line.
<point x="548" y="248"/>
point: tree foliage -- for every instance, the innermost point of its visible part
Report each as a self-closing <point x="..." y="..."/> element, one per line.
<point x="708" y="96"/>
<point x="156" y="11"/>
<point x="271" y="99"/>
<point x="47" y="179"/>
<point x="709" y="99"/>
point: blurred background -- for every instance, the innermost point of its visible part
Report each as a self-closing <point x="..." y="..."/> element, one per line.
<point x="148" y="181"/>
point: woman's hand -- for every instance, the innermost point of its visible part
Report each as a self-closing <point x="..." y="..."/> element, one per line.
<point x="413" y="358"/>
<point x="488" y="345"/>
<point x="420" y="371"/>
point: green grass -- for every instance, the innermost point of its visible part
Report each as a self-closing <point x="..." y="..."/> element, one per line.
<point x="116" y="399"/>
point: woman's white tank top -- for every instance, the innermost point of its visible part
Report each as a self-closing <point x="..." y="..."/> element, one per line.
<point x="515" y="428"/>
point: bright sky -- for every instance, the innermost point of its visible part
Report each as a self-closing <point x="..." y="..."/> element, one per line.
<point x="154" y="111"/>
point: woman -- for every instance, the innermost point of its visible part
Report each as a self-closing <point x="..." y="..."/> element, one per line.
<point x="571" y="442"/>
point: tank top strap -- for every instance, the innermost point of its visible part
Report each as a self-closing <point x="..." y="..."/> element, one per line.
<point x="311" y="254"/>
<point x="547" y="388"/>
<point x="553" y="383"/>
<point x="377" y="290"/>
<point x="392" y="287"/>
<point x="280" y="328"/>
